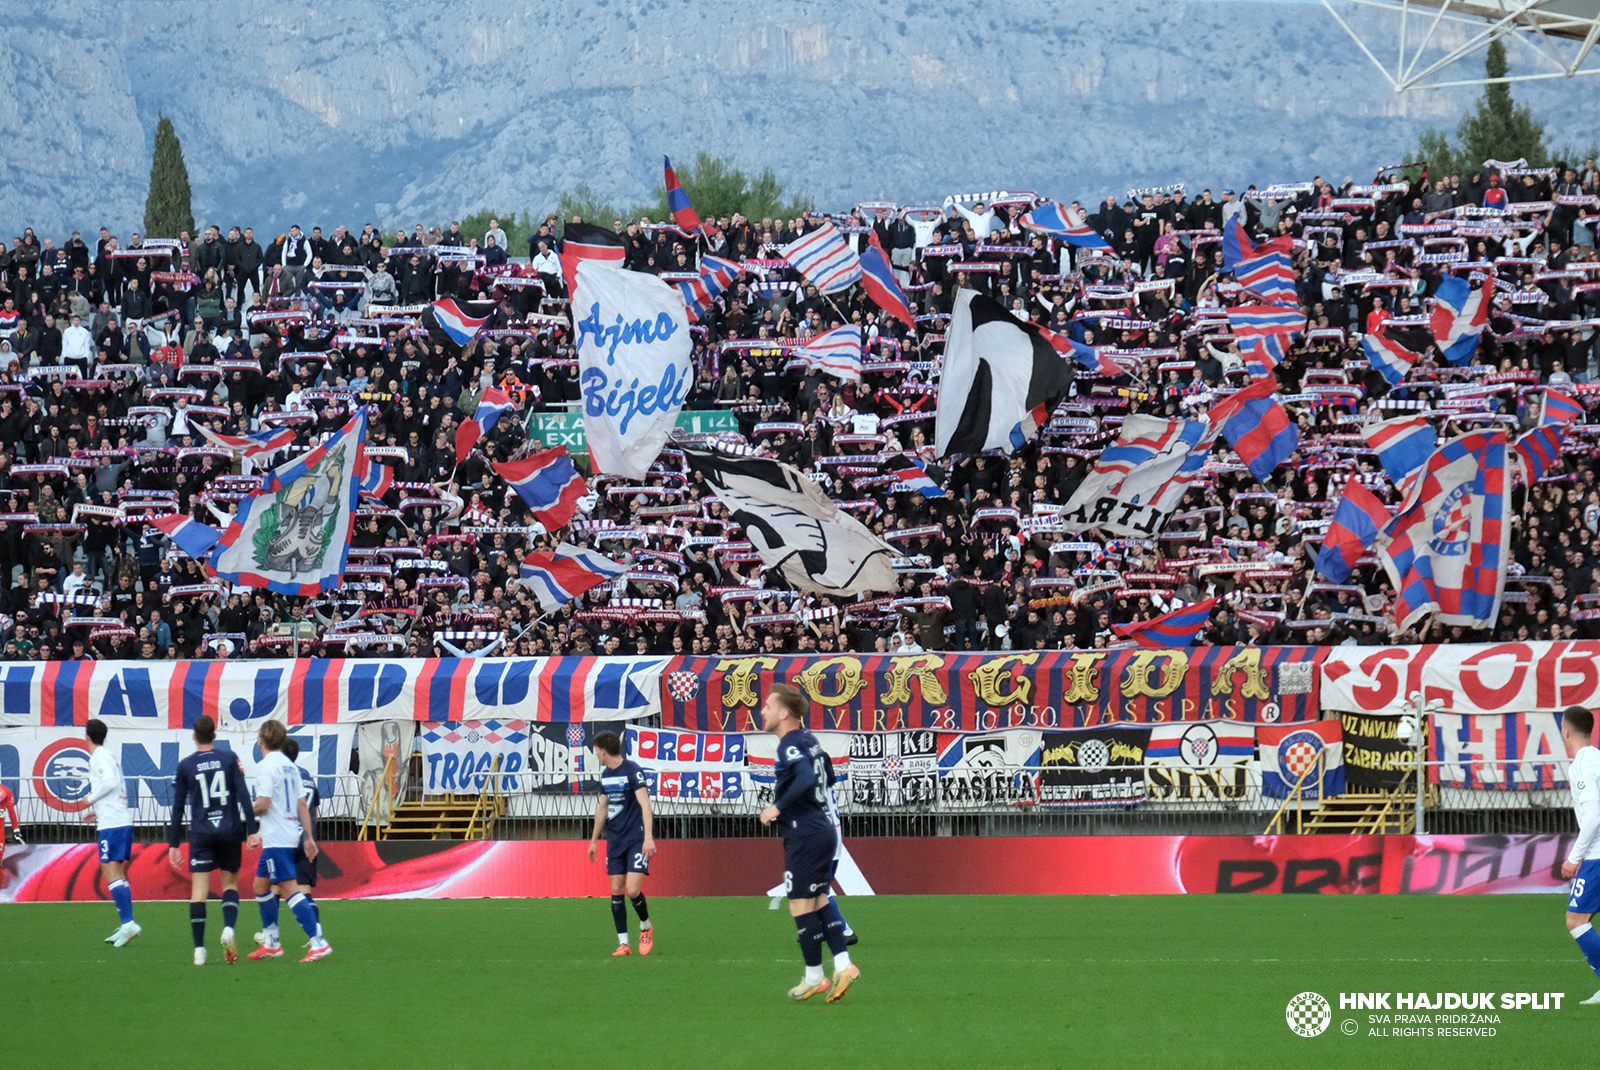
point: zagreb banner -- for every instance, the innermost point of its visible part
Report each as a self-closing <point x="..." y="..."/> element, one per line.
<point x="1054" y="689"/>
<point x="936" y="865"/>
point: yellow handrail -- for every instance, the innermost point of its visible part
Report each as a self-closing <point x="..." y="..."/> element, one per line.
<point x="491" y="789"/>
<point x="1296" y="794"/>
<point x="372" y="807"/>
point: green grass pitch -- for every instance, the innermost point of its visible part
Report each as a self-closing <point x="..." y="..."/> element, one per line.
<point x="1199" y="981"/>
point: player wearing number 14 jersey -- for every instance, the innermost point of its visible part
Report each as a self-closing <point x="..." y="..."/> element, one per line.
<point x="801" y="807"/>
<point x="210" y="786"/>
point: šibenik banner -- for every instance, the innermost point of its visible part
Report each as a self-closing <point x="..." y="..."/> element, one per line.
<point x="633" y="361"/>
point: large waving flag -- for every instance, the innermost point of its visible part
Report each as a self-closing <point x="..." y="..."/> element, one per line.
<point x="557" y="577"/>
<point x="913" y="475"/>
<point x="1403" y="444"/>
<point x="1176" y="629"/>
<point x="1446" y="552"/>
<point x="585" y="241"/>
<point x="294" y="536"/>
<point x="1559" y="409"/>
<point x="1460" y="315"/>
<point x="1139" y="479"/>
<point x="1357" y="521"/>
<point x="1260" y="431"/>
<point x="1269" y="276"/>
<point x="678" y="200"/>
<point x="1394" y="350"/>
<point x="550" y="484"/>
<point x="1236" y="246"/>
<point x="1264" y="333"/>
<point x="716" y="275"/>
<point x="188" y="534"/>
<point x="1055" y="221"/>
<point x="1086" y="355"/>
<point x="1001" y="380"/>
<point x="1539" y="451"/>
<point x="449" y="320"/>
<point x="878" y="278"/>
<point x="825" y="259"/>
<point x="494" y="404"/>
<point x="251" y="445"/>
<point x="836" y="352"/>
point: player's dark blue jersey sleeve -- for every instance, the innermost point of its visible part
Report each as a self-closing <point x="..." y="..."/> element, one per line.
<point x="241" y="794"/>
<point x="182" y="785"/>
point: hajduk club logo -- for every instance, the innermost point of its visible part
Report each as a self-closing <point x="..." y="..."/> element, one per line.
<point x="1309" y="1014"/>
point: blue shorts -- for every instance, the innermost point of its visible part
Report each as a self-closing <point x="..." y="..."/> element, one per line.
<point x="1586" y="889"/>
<point x="626" y="856"/>
<point x="207" y="853"/>
<point x="277" y="864"/>
<point x="116" y="845"/>
<point x="808" y="864"/>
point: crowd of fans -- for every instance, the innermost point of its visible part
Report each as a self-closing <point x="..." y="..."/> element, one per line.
<point x="113" y="353"/>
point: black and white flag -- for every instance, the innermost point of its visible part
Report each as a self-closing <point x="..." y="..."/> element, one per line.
<point x="1001" y="380"/>
<point x="797" y="529"/>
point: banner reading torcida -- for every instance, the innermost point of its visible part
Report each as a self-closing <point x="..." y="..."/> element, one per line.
<point x="1055" y="689"/>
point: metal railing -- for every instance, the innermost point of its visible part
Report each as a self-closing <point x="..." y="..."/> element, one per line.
<point x="382" y="804"/>
<point x="485" y="813"/>
<point x="1297" y="797"/>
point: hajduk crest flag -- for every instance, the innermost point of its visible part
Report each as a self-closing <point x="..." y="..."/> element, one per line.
<point x="797" y="530"/>
<point x="1000" y="383"/>
<point x="1447" y="550"/>
<point x="293" y="537"/>
<point x="633" y="364"/>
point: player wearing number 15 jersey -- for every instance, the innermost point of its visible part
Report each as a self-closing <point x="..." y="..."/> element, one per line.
<point x="210" y="787"/>
<point x="801" y="807"/>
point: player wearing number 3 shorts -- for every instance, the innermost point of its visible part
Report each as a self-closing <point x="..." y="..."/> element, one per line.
<point x="801" y="807"/>
<point x="1582" y="866"/>
<point x="624" y="814"/>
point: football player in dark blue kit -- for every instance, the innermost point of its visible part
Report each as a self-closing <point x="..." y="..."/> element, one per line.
<point x="624" y="814"/>
<point x="210" y="786"/>
<point x="801" y="808"/>
<point x="305" y="869"/>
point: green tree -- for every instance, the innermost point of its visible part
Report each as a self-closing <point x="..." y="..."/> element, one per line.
<point x="717" y="189"/>
<point x="167" y="212"/>
<point x="517" y="228"/>
<point x="1497" y="129"/>
<point x="588" y="205"/>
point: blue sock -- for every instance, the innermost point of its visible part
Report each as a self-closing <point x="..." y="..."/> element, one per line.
<point x="1589" y="944"/>
<point x="833" y="928"/>
<point x="810" y="926"/>
<point x="307" y="917"/>
<point x="619" y="914"/>
<point x="833" y="905"/>
<point x="230" y="908"/>
<point x="122" y="895"/>
<point x="268" y="902"/>
<point x="197" y="923"/>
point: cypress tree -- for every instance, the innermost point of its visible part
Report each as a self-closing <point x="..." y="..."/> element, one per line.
<point x="166" y="209"/>
<point x="1500" y="128"/>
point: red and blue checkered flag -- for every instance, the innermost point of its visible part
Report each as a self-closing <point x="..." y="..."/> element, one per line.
<point x="1053" y="220"/>
<point x="678" y="200"/>
<point x="1559" y="409"/>
<point x="1539" y="451"/>
<point x="1357" y="521"/>
<point x="1257" y="427"/>
<point x="1447" y="550"/>
<point x="1175" y="629"/>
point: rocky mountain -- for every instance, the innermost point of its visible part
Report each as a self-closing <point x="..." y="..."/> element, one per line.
<point x="390" y="112"/>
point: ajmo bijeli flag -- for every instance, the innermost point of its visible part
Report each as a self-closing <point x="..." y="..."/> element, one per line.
<point x="633" y="364"/>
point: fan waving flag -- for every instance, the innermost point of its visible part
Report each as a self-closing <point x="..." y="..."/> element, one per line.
<point x="716" y="275"/>
<point x="1559" y="409"/>
<point x="825" y="259"/>
<point x="494" y="404"/>
<point x="1264" y="333"/>
<point x="1393" y="350"/>
<point x="1269" y="276"/>
<point x="1236" y="246"/>
<point x="914" y="476"/>
<point x="1258" y="428"/>
<point x="585" y="241"/>
<point x="678" y="200"/>
<point x="1357" y="521"/>
<point x="836" y="352"/>
<point x="878" y="278"/>
<point x="1001" y="380"/>
<point x="251" y="445"/>
<point x="1088" y="356"/>
<point x="1539" y="451"/>
<point x="1055" y="221"/>
<point x="1446" y="552"/>
<point x="557" y="577"/>
<point x="187" y="534"/>
<point x="1175" y="629"/>
<point x="455" y="324"/>
<point x="1459" y="317"/>
<point x="550" y="484"/>
<point x="1403" y="444"/>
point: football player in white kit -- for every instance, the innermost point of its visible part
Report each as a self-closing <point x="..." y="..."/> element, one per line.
<point x="285" y="824"/>
<point x="1582" y="866"/>
<point x="108" y="802"/>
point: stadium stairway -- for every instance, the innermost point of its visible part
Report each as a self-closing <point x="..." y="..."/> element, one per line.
<point x="1369" y="812"/>
<point x="445" y="817"/>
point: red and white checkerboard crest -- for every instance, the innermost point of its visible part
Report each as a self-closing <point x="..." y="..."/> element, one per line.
<point x="683" y="685"/>
<point x="1298" y="753"/>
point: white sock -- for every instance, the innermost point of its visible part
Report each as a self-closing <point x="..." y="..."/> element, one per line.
<point x="813" y="975"/>
<point x="643" y="925"/>
<point x="841" y="961"/>
<point x="622" y="938"/>
<point x="272" y="934"/>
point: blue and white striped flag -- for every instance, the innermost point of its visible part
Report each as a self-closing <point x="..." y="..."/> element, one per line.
<point x="836" y="352"/>
<point x="825" y="259"/>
